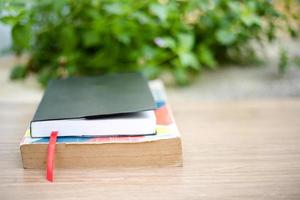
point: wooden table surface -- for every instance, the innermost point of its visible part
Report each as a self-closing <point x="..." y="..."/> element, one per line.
<point x="232" y="150"/>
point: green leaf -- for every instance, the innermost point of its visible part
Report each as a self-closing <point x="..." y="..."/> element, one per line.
<point x="206" y="56"/>
<point x="161" y="11"/>
<point x="235" y="6"/>
<point x="148" y="52"/>
<point x="186" y="41"/>
<point x="293" y="32"/>
<point x="181" y="75"/>
<point x="283" y="62"/>
<point x="249" y="16"/>
<point x="21" y="36"/>
<point x="114" y="8"/>
<point x="91" y="38"/>
<point x="124" y="38"/>
<point x="151" y="71"/>
<point x="250" y="19"/>
<point x="141" y="17"/>
<point x="68" y="38"/>
<point x="45" y="75"/>
<point x="18" y="72"/>
<point x="188" y="59"/>
<point x="71" y="69"/>
<point x="165" y="42"/>
<point x="11" y="20"/>
<point x="226" y="37"/>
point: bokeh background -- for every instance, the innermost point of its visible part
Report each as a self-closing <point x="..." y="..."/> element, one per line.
<point x="203" y="50"/>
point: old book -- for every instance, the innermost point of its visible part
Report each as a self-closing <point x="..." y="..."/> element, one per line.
<point x="161" y="149"/>
<point x="117" y="104"/>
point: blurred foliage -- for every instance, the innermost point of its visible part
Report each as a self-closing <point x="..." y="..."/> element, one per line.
<point x="283" y="61"/>
<point x="89" y="37"/>
<point x="297" y="60"/>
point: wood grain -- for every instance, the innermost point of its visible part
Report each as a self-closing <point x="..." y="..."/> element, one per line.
<point x="232" y="150"/>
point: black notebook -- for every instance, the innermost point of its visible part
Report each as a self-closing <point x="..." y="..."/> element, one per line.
<point x="118" y="104"/>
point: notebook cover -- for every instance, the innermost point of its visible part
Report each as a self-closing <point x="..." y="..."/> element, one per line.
<point x="95" y="96"/>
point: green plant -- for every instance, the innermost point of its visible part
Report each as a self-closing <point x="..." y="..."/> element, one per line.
<point x="283" y="61"/>
<point x="88" y="37"/>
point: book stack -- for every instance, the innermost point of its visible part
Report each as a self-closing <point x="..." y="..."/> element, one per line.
<point x="117" y="120"/>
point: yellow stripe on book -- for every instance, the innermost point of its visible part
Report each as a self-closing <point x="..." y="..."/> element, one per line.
<point x="162" y="129"/>
<point x="27" y="133"/>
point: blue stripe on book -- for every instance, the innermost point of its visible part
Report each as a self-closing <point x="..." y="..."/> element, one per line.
<point x="63" y="139"/>
<point x="160" y="104"/>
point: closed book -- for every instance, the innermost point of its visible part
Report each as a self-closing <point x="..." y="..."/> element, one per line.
<point x="161" y="149"/>
<point x="117" y="104"/>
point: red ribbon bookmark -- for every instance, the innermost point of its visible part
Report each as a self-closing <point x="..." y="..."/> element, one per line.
<point x="50" y="155"/>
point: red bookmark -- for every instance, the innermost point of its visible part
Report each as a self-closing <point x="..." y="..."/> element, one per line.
<point x="50" y="155"/>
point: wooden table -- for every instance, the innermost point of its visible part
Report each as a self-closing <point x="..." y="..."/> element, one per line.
<point x="232" y="150"/>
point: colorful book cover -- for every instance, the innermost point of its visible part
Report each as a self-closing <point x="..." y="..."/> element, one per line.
<point x="166" y="127"/>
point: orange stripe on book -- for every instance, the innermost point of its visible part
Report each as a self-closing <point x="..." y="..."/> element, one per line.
<point x="162" y="116"/>
<point x="50" y="155"/>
